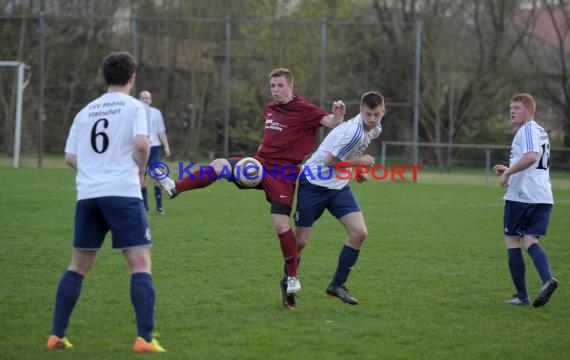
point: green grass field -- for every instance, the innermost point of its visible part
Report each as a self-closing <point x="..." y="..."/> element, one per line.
<point x="431" y="278"/>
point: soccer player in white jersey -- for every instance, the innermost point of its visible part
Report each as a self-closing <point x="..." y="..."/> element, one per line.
<point x="528" y="201"/>
<point x="158" y="139"/>
<point x="321" y="186"/>
<point x="108" y="146"/>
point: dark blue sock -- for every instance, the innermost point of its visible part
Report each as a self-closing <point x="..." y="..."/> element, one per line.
<point x="540" y="260"/>
<point x="517" y="268"/>
<point x="158" y="197"/>
<point x="143" y="297"/>
<point x="346" y="261"/>
<point x="67" y="295"/>
<point x="145" y="197"/>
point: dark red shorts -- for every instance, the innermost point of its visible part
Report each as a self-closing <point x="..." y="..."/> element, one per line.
<point x="278" y="182"/>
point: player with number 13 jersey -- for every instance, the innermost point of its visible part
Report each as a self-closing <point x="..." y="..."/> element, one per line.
<point x="531" y="185"/>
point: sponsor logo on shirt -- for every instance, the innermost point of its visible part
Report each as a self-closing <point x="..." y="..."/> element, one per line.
<point x="273" y="125"/>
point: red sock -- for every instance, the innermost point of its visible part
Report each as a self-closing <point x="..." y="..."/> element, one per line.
<point x="199" y="179"/>
<point x="288" y="243"/>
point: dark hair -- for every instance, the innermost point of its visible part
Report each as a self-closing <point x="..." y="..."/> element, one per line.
<point x="282" y="72"/>
<point x="372" y="99"/>
<point x="118" y="67"/>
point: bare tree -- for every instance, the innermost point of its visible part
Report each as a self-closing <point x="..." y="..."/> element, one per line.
<point x="548" y="50"/>
<point x="468" y="47"/>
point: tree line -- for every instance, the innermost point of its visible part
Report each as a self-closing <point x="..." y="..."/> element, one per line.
<point x="475" y="54"/>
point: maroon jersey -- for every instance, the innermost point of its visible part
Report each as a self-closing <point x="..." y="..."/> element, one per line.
<point x="290" y="130"/>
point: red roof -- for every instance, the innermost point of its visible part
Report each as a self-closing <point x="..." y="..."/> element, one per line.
<point x="544" y="25"/>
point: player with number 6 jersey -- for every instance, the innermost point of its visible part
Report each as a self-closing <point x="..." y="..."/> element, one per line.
<point x="107" y="167"/>
<point x="108" y="145"/>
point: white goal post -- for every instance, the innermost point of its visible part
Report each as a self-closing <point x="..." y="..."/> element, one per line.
<point x="19" y="100"/>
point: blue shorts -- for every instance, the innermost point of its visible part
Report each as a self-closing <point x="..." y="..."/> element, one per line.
<point x="154" y="155"/>
<point x="124" y="216"/>
<point x="526" y="219"/>
<point x="312" y="200"/>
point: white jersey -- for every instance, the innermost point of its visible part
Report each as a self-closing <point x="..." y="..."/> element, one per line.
<point x="531" y="185"/>
<point x="156" y="126"/>
<point x="102" y="139"/>
<point x="347" y="141"/>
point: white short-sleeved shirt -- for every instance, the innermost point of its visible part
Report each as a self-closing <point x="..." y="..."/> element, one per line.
<point x="531" y="185"/>
<point x="157" y="126"/>
<point x="101" y="137"/>
<point x="346" y="141"/>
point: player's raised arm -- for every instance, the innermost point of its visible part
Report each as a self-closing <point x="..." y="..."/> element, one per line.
<point x="338" y="111"/>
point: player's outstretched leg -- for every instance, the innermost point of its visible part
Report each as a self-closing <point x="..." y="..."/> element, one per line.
<point x="203" y="177"/>
<point x="165" y="183"/>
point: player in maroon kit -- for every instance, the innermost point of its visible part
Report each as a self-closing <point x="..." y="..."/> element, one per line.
<point x="291" y="125"/>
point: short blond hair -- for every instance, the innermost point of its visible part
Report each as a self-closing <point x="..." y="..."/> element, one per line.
<point x="282" y="72"/>
<point x="527" y="100"/>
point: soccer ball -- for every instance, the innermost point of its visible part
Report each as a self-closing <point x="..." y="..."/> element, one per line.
<point x="248" y="172"/>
